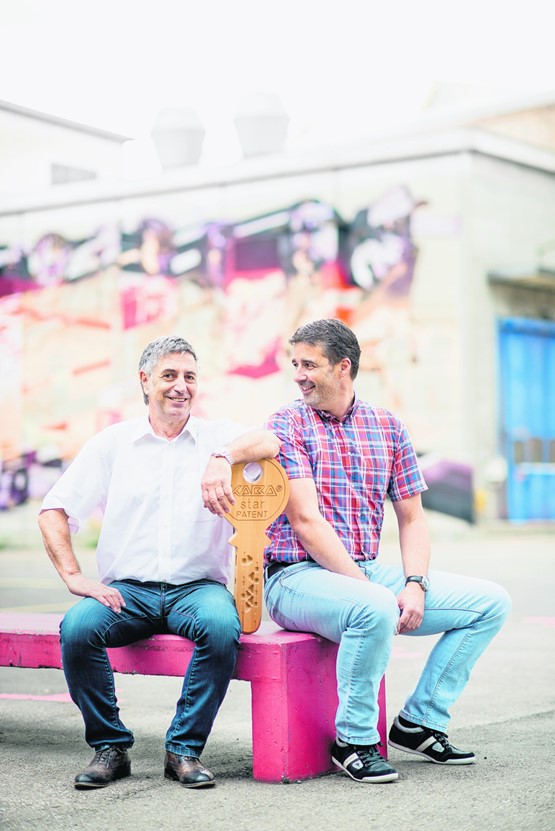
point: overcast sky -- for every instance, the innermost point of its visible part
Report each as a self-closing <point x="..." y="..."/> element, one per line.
<point x="341" y="68"/>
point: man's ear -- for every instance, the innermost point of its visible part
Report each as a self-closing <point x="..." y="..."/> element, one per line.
<point x="345" y="366"/>
<point x="143" y="377"/>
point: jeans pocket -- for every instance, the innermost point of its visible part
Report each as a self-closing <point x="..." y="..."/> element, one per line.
<point x="273" y="596"/>
<point x="270" y="594"/>
<point x="279" y="595"/>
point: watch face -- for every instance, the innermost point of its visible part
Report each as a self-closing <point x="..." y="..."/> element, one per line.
<point x="424" y="582"/>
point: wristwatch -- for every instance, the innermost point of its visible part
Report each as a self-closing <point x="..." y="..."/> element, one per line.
<point x="424" y="582"/>
<point x="223" y="453"/>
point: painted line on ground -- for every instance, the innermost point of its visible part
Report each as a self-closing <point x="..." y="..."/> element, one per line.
<point x="60" y="607"/>
<point x="543" y="620"/>
<point x="29" y="583"/>
<point x="62" y="697"/>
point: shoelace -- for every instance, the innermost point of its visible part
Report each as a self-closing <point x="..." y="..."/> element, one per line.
<point x="441" y="738"/>
<point x="103" y="756"/>
<point x="368" y="755"/>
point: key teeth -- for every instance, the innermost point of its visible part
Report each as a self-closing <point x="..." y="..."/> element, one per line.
<point x="249" y="568"/>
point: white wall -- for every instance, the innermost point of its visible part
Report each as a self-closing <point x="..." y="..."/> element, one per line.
<point x="29" y="148"/>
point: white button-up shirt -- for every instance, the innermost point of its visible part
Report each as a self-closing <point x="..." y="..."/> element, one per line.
<point x="155" y="526"/>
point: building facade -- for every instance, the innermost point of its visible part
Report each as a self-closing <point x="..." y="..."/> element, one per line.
<point x="435" y="246"/>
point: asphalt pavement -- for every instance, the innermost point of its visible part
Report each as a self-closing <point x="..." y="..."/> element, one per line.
<point x="506" y="715"/>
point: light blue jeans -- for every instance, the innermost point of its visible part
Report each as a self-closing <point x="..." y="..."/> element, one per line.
<point x="362" y="616"/>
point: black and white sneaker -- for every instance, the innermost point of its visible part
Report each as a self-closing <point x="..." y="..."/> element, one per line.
<point x="432" y="745"/>
<point x="363" y="763"/>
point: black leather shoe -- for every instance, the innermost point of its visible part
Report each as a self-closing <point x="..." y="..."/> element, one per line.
<point x="107" y="765"/>
<point x="187" y="770"/>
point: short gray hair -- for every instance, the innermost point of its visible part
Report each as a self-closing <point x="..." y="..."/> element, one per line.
<point x="158" y="349"/>
<point x="335" y="338"/>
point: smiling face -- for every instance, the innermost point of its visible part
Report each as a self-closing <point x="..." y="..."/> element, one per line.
<point x="171" y="389"/>
<point x="323" y="385"/>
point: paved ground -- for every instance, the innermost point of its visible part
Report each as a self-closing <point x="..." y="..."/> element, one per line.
<point x="505" y="716"/>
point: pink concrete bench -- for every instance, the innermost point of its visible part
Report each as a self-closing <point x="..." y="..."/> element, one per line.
<point x="292" y="677"/>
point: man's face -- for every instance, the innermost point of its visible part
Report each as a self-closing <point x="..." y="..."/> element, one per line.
<point x="317" y="379"/>
<point x="172" y="387"/>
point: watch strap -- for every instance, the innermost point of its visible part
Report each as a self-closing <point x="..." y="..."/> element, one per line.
<point x="223" y="453"/>
<point x="418" y="578"/>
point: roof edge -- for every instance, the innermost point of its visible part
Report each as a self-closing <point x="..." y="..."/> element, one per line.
<point x="407" y="149"/>
<point x="27" y="112"/>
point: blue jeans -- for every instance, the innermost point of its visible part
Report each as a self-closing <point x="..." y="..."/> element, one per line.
<point x="362" y="616"/>
<point x="203" y="611"/>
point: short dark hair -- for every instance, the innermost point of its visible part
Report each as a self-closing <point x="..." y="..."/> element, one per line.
<point x="158" y="349"/>
<point x="335" y="338"/>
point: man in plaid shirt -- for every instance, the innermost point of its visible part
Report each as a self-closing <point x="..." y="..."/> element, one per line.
<point x="343" y="457"/>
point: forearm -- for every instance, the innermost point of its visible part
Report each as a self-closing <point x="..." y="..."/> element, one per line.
<point x="324" y="546"/>
<point x="253" y="446"/>
<point x="57" y="541"/>
<point x="317" y="536"/>
<point x="415" y="546"/>
<point x="415" y="554"/>
<point x="56" y="536"/>
<point x="414" y="539"/>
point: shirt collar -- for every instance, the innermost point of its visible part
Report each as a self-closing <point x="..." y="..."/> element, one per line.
<point x="325" y="416"/>
<point x="143" y="429"/>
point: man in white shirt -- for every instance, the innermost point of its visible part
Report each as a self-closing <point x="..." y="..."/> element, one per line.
<point x="163" y="484"/>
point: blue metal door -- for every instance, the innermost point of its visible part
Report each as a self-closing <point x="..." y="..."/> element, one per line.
<point x="527" y="364"/>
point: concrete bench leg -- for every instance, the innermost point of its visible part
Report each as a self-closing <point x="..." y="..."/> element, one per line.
<point x="293" y="712"/>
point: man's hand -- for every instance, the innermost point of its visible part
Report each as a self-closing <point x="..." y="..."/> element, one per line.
<point x="216" y="486"/>
<point x="411" y="603"/>
<point x="85" y="587"/>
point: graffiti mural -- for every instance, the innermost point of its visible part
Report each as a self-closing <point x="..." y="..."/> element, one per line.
<point x="75" y="315"/>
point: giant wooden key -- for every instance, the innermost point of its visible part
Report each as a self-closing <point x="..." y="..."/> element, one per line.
<point x="261" y="491"/>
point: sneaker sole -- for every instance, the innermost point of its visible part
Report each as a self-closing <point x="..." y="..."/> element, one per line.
<point x="384" y="777"/>
<point x="429" y="758"/>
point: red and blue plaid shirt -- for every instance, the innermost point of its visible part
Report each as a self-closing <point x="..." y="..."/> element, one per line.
<point x="355" y="463"/>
